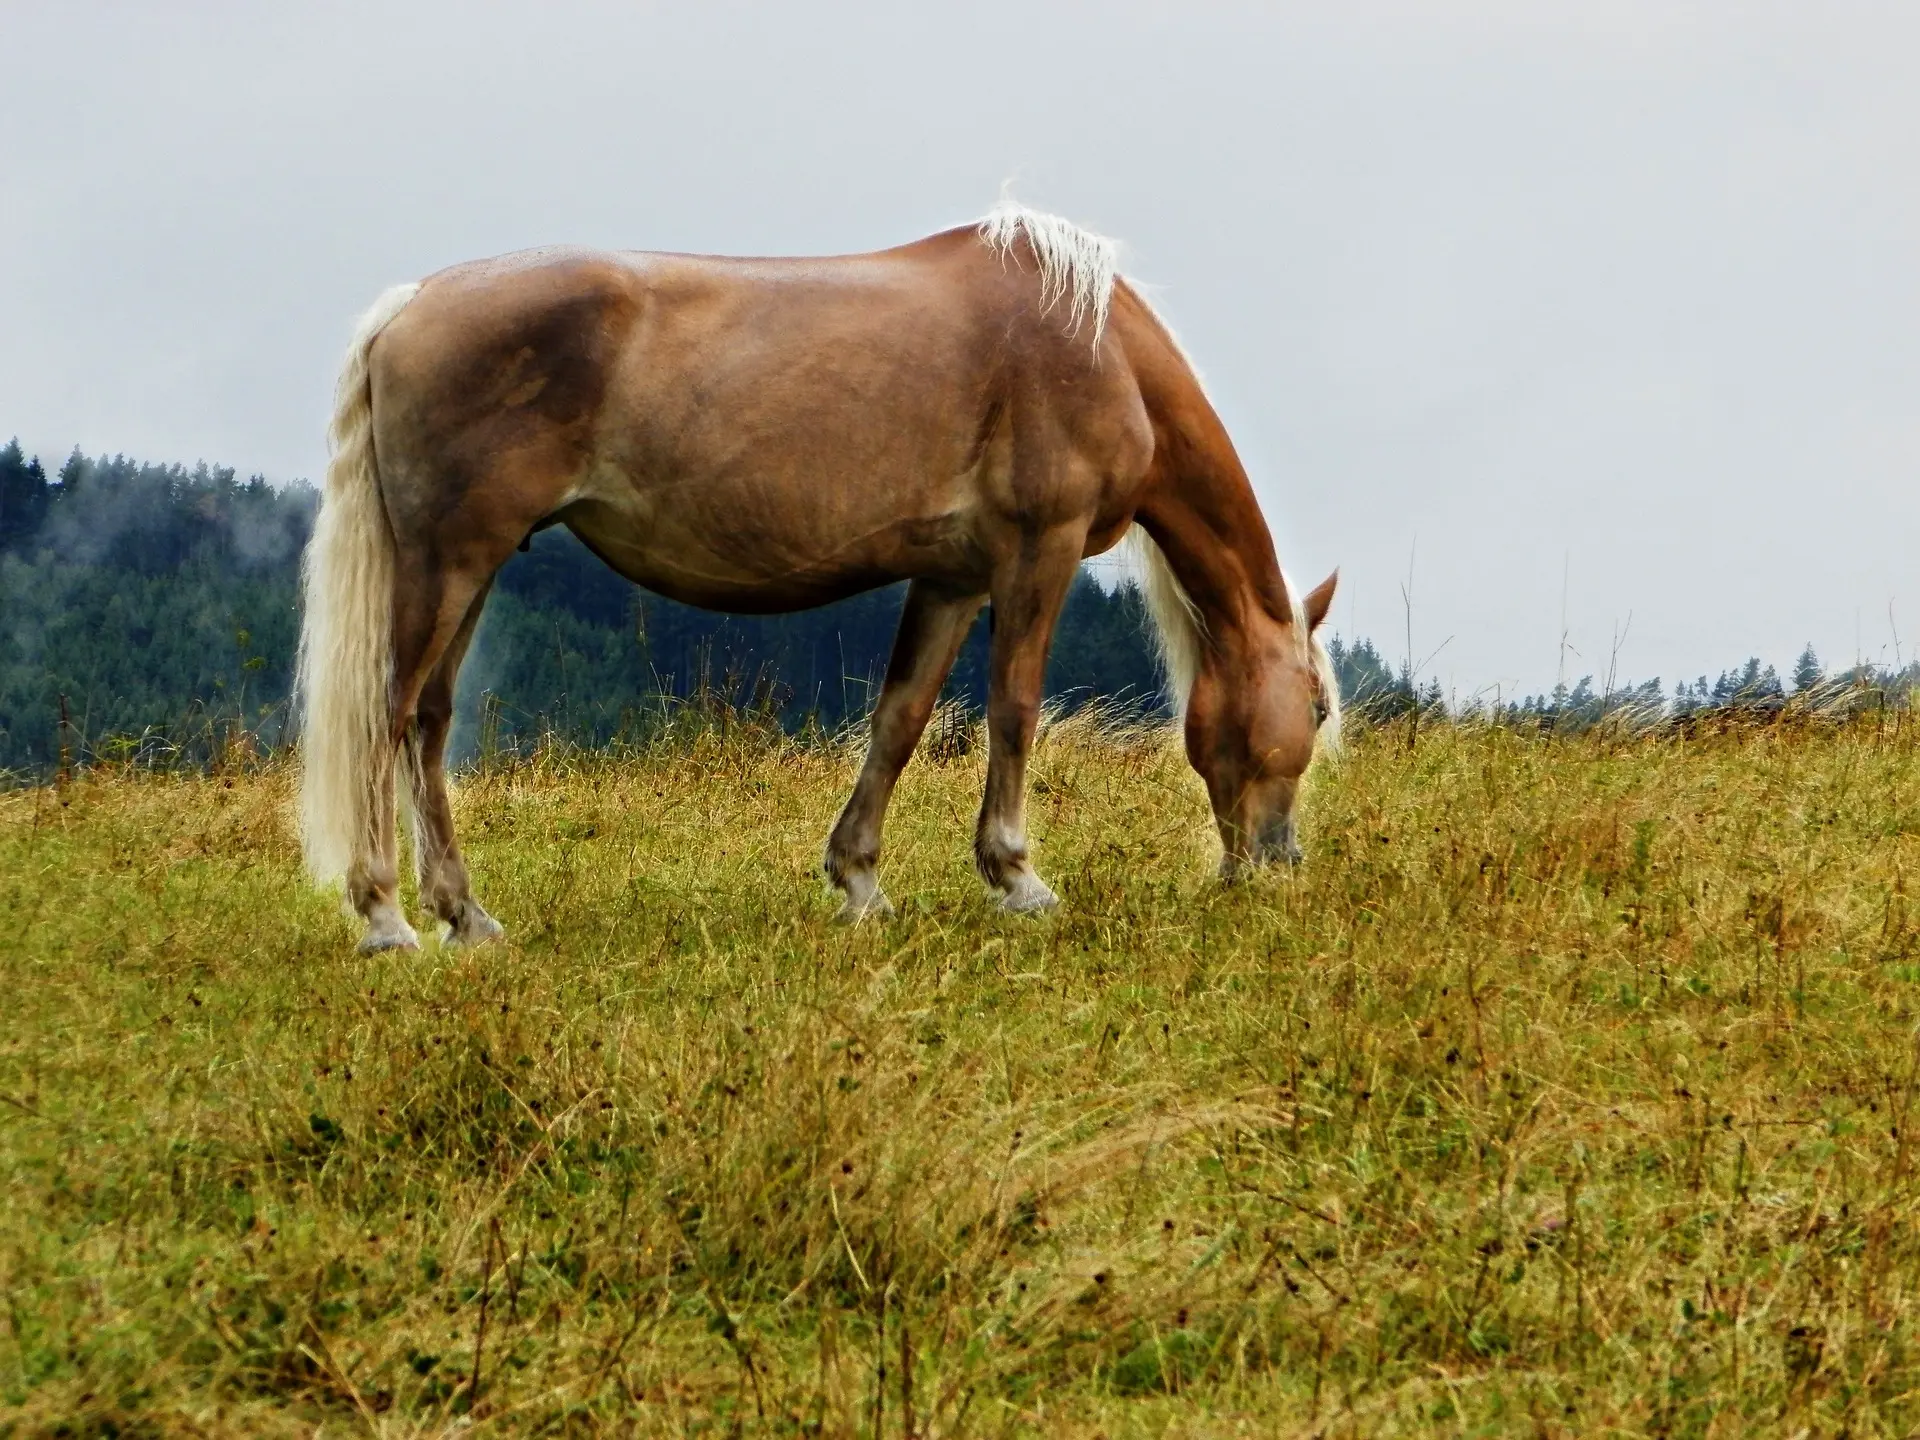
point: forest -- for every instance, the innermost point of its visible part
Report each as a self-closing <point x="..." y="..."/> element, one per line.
<point x="151" y="611"/>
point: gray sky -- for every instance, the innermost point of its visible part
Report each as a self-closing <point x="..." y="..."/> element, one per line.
<point x="1626" y="293"/>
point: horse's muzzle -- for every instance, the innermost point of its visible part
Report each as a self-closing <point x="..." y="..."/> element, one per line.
<point x="1277" y="843"/>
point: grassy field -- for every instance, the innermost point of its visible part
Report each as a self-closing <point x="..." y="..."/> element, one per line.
<point x="1565" y="1090"/>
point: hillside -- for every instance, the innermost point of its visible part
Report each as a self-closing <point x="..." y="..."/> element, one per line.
<point x="1566" y="1088"/>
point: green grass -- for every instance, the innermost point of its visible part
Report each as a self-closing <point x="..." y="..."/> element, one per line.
<point x="1565" y="1090"/>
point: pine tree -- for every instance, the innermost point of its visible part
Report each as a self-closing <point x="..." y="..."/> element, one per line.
<point x="1362" y="674"/>
<point x="1806" y="670"/>
<point x="23" y="498"/>
<point x="1751" y="684"/>
<point x="73" y="473"/>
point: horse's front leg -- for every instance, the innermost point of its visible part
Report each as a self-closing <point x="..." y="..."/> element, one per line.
<point x="1026" y="604"/>
<point x="933" y="625"/>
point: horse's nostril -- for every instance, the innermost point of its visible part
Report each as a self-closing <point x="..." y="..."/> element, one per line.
<point x="1278" y="843"/>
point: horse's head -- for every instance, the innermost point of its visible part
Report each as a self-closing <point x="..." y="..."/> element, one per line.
<point x="1255" y="711"/>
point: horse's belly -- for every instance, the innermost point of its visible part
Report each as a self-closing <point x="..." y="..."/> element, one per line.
<point x="739" y="552"/>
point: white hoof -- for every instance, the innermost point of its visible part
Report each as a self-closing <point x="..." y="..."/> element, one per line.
<point x="1028" y="894"/>
<point x="865" y="900"/>
<point x="391" y="935"/>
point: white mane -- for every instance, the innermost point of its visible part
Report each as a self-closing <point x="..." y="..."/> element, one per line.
<point x="1076" y="265"/>
<point x="1177" y="629"/>
<point x="1321" y="662"/>
<point x="1082" y="268"/>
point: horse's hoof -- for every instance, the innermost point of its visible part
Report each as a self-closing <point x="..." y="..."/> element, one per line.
<point x="875" y="906"/>
<point x="1029" y="895"/>
<point x="475" y="927"/>
<point x="400" y="938"/>
<point x="865" y="899"/>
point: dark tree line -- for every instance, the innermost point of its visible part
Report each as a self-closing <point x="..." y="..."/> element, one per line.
<point x="566" y="645"/>
<point x="155" y="607"/>
<point x="1752" y="689"/>
<point x="161" y="603"/>
<point x="151" y="597"/>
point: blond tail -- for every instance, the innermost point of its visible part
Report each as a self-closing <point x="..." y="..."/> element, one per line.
<point x="346" y="636"/>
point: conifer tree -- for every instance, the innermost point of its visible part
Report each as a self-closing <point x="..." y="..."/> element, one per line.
<point x="1806" y="670"/>
<point x="23" y="498"/>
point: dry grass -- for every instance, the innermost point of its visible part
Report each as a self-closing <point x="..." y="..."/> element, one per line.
<point x="1565" y="1090"/>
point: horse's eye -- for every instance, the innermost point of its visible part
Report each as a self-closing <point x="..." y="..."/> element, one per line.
<point x="1319" y="713"/>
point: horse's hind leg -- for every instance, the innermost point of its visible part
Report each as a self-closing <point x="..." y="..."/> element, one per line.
<point x="373" y="882"/>
<point x="933" y="625"/>
<point x="435" y="609"/>
<point x="444" y="885"/>
<point x="1026" y="604"/>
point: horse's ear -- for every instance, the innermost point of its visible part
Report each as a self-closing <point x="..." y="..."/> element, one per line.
<point x="1319" y="601"/>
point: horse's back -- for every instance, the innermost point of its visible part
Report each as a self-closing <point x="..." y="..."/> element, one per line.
<point x="747" y="433"/>
<point x="946" y="301"/>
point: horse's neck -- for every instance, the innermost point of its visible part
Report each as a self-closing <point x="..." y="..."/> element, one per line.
<point x="1201" y="511"/>
<point x="1198" y="504"/>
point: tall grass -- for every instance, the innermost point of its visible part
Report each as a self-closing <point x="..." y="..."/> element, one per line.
<point x="1566" y="1088"/>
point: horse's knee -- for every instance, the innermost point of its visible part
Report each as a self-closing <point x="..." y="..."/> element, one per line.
<point x="1013" y="720"/>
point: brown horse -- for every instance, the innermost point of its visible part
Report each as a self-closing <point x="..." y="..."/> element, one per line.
<point x="974" y="412"/>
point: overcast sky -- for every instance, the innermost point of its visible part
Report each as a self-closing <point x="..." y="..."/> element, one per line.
<point x="1619" y="296"/>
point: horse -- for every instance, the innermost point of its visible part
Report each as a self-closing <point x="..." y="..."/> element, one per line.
<point x="974" y="412"/>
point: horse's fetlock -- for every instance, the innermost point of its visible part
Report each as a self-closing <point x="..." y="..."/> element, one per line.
<point x="448" y="898"/>
<point x="474" y="926"/>
<point x="845" y="858"/>
<point x="997" y="861"/>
